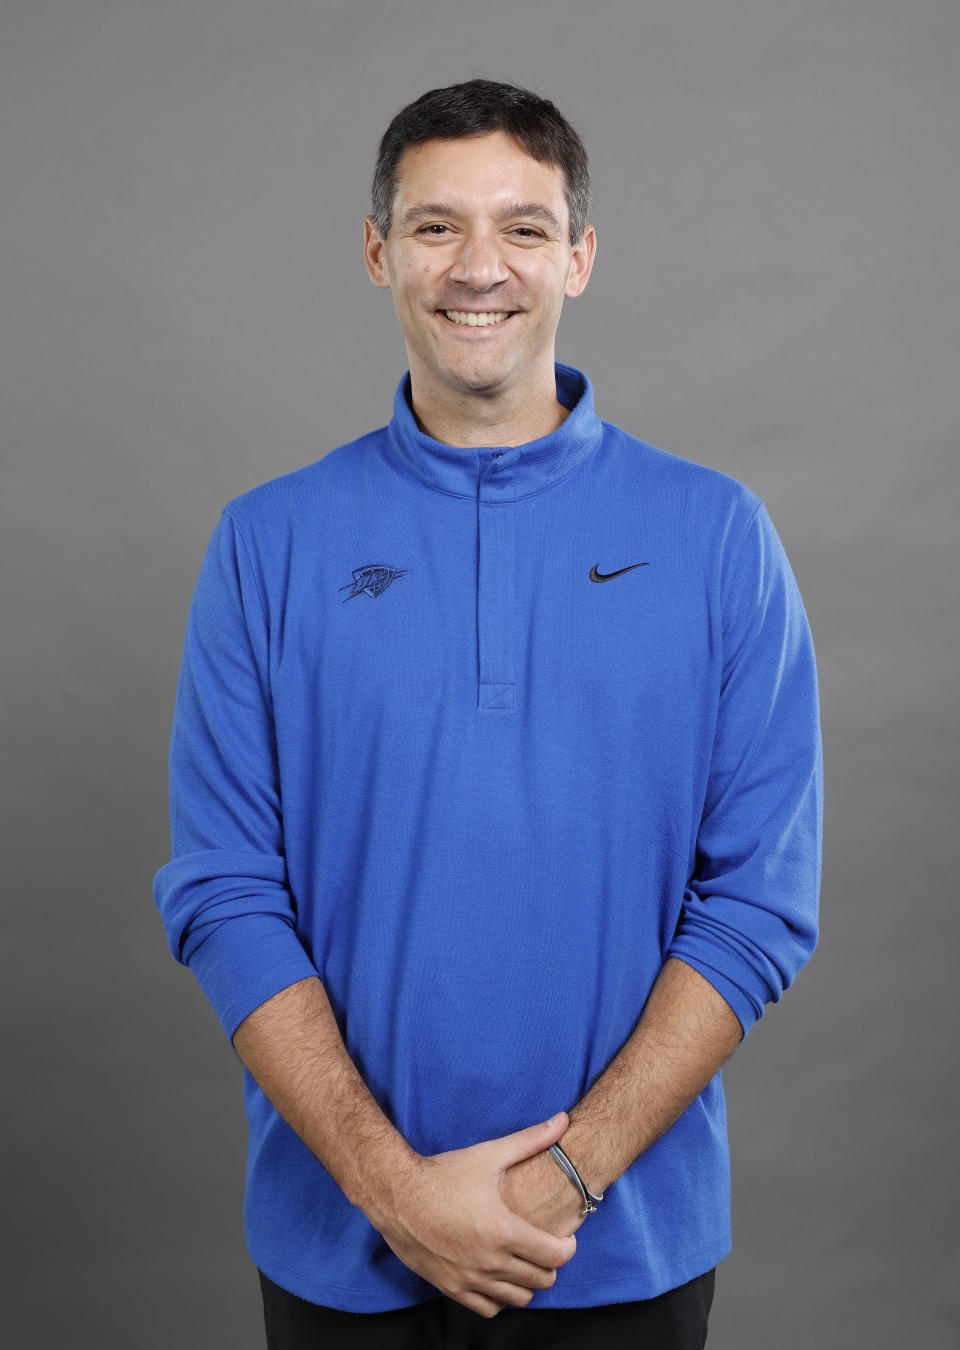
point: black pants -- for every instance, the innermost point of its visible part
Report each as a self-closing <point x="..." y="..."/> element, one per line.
<point x="676" y="1320"/>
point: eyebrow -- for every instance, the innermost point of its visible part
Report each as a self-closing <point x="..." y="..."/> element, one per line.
<point x="527" y="210"/>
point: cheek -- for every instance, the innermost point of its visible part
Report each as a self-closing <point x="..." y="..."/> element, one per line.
<point x="416" y="281"/>
<point x="545" y="281"/>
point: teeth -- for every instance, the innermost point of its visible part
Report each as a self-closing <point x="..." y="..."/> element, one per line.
<point x="474" y="320"/>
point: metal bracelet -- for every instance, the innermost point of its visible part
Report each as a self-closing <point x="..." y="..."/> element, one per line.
<point x="590" y="1201"/>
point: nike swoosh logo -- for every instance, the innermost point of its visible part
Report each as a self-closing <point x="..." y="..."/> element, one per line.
<point x="605" y="576"/>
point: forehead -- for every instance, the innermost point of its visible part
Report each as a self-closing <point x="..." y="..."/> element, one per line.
<point x="477" y="172"/>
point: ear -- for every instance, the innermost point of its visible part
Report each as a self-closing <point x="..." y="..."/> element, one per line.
<point x="581" y="263"/>
<point x="375" y="255"/>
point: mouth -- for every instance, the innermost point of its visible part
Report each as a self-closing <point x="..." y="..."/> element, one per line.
<point x="476" y="321"/>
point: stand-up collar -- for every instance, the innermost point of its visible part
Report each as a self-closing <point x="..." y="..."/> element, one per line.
<point x="500" y="472"/>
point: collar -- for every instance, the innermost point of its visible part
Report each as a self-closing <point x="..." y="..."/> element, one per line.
<point x="500" y="472"/>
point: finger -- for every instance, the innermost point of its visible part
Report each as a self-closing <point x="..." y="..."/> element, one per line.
<point x="537" y="1246"/>
<point x="527" y="1275"/>
<point x="505" y="1291"/>
<point x="513" y="1148"/>
<point x="478" y="1303"/>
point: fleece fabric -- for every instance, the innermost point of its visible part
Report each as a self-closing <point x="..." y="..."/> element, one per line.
<point x="481" y="737"/>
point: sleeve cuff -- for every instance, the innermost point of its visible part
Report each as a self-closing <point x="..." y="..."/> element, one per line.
<point x="246" y="960"/>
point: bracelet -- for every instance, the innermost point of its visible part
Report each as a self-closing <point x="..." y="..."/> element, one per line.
<point x="590" y="1201"/>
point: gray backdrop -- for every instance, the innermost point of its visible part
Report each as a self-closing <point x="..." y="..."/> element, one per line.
<point x="185" y="314"/>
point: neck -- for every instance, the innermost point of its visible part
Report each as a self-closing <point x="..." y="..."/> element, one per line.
<point x="487" y="417"/>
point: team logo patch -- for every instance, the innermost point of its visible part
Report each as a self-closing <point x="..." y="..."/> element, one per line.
<point x="372" y="580"/>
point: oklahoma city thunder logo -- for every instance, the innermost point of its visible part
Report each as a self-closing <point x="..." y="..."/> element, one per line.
<point x="372" y="580"/>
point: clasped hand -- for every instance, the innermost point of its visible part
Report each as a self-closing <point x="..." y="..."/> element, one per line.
<point x="489" y="1224"/>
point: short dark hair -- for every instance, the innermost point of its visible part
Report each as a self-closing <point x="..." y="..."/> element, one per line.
<point x="475" y="108"/>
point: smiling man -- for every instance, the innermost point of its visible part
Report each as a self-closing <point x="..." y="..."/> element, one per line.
<point x="479" y="262"/>
<point x="496" y="803"/>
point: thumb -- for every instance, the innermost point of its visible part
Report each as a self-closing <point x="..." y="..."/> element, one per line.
<point x="525" y="1143"/>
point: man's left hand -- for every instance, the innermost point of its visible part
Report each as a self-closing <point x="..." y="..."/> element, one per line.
<point x="539" y="1191"/>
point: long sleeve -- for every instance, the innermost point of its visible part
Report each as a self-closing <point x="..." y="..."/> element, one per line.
<point x="749" y="919"/>
<point x="224" y="897"/>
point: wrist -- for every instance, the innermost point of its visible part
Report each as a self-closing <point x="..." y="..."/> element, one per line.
<point x="385" y="1181"/>
<point x="580" y="1146"/>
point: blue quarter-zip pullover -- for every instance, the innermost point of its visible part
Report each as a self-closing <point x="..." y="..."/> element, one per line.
<point x="481" y="737"/>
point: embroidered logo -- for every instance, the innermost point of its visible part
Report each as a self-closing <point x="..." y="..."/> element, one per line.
<point x="605" y="576"/>
<point x="372" y="580"/>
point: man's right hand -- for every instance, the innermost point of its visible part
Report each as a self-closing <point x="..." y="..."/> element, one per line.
<point x="447" y="1220"/>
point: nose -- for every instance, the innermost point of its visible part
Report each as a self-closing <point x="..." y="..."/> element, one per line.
<point x="479" y="263"/>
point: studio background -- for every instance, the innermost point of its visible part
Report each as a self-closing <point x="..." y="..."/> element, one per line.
<point x="184" y="313"/>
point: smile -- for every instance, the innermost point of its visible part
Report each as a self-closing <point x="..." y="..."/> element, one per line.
<point x="469" y="319"/>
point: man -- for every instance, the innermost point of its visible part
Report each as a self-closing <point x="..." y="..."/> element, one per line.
<point x="496" y="798"/>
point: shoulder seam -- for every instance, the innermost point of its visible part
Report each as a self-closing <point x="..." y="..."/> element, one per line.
<point x="253" y="571"/>
<point x="746" y="530"/>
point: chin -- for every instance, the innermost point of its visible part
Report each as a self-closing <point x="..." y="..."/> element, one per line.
<point x="478" y="376"/>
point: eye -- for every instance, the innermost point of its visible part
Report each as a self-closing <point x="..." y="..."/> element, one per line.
<point x="528" y="232"/>
<point x="424" y="228"/>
